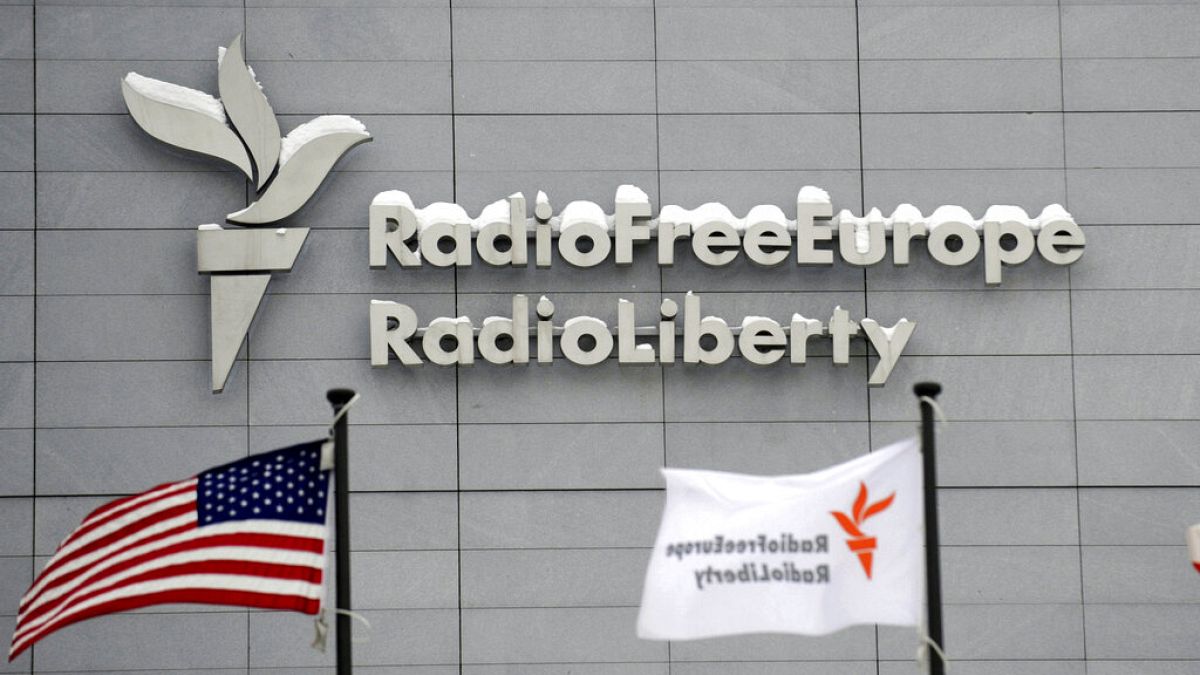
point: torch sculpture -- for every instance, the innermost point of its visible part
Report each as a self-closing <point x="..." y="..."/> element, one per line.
<point x="240" y="128"/>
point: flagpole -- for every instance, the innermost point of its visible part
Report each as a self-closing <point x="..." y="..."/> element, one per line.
<point x="341" y="490"/>
<point x="926" y="393"/>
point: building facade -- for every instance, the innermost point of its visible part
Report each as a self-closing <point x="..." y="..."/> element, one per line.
<point x="503" y="516"/>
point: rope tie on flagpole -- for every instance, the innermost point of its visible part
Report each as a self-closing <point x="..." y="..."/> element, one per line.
<point x="342" y="412"/>
<point x="927" y="643"/>
<point x="327" y="447"/>
<point x="322" y="627"/>
<point x="937" y="409"/>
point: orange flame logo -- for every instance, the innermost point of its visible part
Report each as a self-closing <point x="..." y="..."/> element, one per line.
<point x="860" y="543"/>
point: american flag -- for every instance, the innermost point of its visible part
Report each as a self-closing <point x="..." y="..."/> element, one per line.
<point x="249" y="533"/>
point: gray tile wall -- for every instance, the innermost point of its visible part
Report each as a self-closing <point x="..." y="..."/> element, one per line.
<point x="502" y="517"/>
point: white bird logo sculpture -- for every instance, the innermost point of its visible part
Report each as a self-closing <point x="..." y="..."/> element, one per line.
<point x="240" y="128"/>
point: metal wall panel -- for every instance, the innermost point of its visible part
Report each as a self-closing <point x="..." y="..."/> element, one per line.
<point x="503" y="516"/>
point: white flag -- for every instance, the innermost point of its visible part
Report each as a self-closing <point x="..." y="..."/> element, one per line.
<point x="808" y="554"/>
<point x="1193" y="538"/>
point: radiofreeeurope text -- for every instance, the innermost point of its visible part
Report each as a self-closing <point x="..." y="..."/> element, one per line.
<point x="584" y="236"/>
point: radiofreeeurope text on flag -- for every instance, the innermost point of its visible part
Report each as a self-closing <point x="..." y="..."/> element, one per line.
<point x="807" y="554"/>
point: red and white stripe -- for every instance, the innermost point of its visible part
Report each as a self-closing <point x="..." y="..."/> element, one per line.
<point x="148" y="549"/>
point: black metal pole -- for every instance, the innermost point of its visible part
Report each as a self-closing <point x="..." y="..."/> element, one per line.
<point x="928" y="391"/>
<point x="341" y="490"/>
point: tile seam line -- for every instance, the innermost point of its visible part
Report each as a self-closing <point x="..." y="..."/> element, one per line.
<point x="436" y="608"/>
<point x="457" y="388"/>
<point x="813" y="420"/>
<point x="1071" y="337"/>
<point x="976" y="546"/>
<point x="34" y="487"/>
<point x="1022" y="112"/>
<point x="780" y="169"/>
<point x="662" y="381"/>
<point x="650" y="489"/>
<point x="247" y="194"/>
<point x="681" y="114"/>
<point x="868" y="60"/>
<point x="612" y="359"/>
<point x="1163" y="548"/>
<point x="862" y="203"/>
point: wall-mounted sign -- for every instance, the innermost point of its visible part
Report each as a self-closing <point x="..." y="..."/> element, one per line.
<point x="240" y="128"/>
<point x="583" y="235"/>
